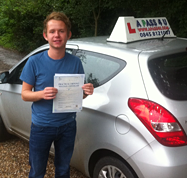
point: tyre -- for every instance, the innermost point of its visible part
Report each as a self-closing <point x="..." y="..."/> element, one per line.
<point x="4" y="135"/>
<point x="112" y="167"/>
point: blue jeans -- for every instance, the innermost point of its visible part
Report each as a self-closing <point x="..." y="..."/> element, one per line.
<point x="40" y="142"/>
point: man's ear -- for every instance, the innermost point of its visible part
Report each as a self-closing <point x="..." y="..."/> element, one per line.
<point x="45" y="36"/>
<point x="69" y="35"/>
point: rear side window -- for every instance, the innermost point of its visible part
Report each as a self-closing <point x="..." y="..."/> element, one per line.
<point x="99" y="68"/>
<point x="170" y="75"/>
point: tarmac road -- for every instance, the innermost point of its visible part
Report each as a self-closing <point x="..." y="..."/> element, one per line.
<point x="8" y="59"/>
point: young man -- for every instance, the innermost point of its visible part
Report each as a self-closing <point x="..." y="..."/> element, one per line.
<point x="48" y="127"/>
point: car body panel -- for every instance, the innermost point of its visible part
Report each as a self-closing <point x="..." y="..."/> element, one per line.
<point x="20" y="121"/>
<point x="171" y="162"/>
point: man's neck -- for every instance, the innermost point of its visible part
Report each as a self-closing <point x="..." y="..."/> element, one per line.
<point x="56" y="53"/>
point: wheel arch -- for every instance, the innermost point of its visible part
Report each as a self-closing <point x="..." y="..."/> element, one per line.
<point x="104" y="153"/>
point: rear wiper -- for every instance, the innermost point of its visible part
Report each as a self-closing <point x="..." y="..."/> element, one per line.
<point x="164" y="34"/>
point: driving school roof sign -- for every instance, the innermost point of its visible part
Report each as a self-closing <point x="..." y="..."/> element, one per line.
<point x="129" y="29"/>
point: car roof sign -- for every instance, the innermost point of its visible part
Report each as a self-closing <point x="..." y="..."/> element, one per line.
<point x="129" y="29"/>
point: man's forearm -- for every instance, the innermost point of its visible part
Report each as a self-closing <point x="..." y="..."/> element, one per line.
<point x="32" y="95"/>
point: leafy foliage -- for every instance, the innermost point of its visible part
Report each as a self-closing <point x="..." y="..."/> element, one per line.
<point x="21" y="21"/>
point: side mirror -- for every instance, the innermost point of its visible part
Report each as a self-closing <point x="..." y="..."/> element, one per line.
<point x="4" y="77"/>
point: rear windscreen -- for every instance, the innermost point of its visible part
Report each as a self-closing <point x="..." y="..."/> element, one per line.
<point x="170" y="75"/>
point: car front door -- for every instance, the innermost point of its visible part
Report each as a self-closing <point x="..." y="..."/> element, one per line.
<point x="15" y="112"/>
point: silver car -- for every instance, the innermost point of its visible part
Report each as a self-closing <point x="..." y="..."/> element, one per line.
<point x="135" y="123"/>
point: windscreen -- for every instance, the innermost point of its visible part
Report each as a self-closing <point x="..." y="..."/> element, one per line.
<point x="170" y="75"/>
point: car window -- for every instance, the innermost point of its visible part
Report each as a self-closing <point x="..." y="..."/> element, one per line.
<point x="99" y="68"/>
<point x="170" y="75"/>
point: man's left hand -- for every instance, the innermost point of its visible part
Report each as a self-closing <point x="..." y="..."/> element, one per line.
<point x="88" y="88"/>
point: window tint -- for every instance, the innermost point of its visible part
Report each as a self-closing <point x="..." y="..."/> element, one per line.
<point x="99" y="68"/>
<point x="170" y="75"/>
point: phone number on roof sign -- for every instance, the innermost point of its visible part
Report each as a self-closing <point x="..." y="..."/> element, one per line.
<point x="157" y="33"/>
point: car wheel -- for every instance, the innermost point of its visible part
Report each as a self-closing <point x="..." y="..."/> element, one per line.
<point x="4" y="135"/>
<point x="111" y="167"/>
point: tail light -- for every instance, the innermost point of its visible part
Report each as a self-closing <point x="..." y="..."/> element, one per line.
<point x="160" y="122"/>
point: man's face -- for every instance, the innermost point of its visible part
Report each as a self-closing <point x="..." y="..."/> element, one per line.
<point x="57" y="34"/>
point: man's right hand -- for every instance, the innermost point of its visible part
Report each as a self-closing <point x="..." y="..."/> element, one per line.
<point x="50" y="93"/>
<point x="28" y="94"/>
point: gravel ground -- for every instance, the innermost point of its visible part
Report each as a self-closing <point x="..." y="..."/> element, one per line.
<point x="14" y="153"/>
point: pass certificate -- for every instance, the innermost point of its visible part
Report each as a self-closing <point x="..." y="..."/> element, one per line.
<point x="70" y="93"/>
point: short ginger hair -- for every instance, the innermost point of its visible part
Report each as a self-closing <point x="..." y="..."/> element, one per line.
<point x="57" y="16"/>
